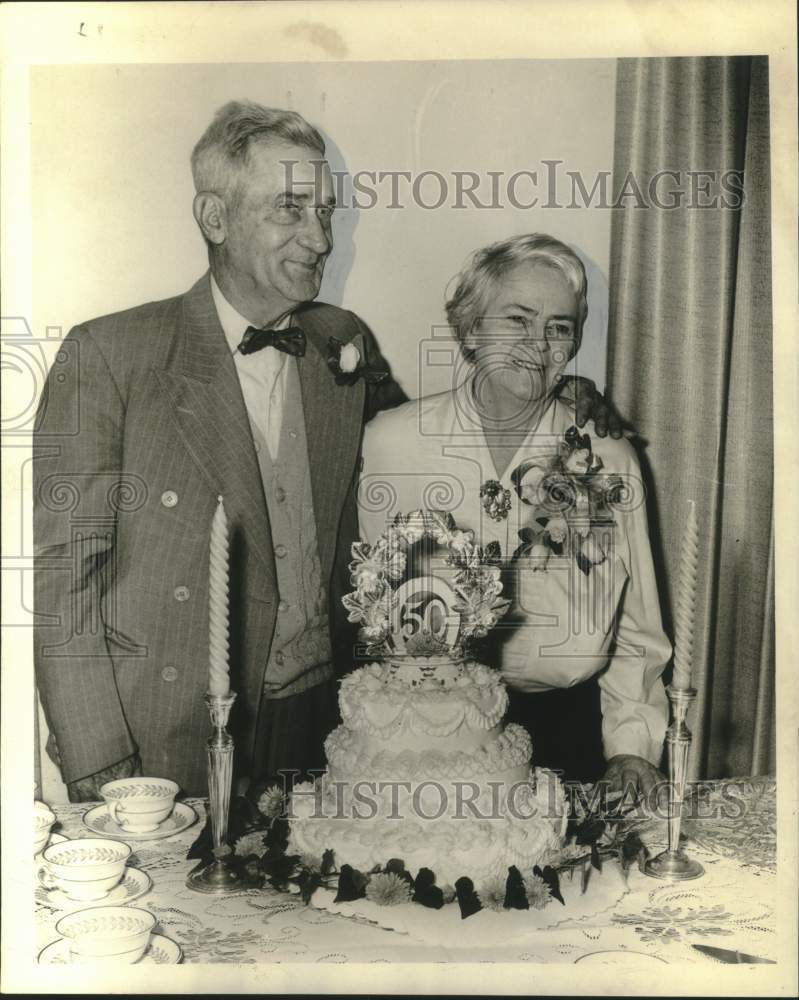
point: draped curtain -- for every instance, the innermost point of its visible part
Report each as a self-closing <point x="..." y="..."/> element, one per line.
<point x="690" y="365"/>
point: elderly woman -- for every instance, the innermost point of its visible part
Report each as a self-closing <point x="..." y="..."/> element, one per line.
<point x="583" y="650"/>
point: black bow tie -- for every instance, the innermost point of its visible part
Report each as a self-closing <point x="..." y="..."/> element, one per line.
<point x="290" y="341"/>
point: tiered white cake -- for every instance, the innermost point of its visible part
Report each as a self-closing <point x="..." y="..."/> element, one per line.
<point x="423" y="768"/>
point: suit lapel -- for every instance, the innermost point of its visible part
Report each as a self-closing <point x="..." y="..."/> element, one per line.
<point x="206" y="400"/>
<point x="208" y="406"/>
<point x="333" y="427"/>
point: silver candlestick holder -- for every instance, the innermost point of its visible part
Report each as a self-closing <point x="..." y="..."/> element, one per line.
<point x="220" y="876"/>
<point x="673" y="863"/>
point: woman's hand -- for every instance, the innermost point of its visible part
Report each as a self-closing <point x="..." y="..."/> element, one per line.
<point x="626" y="770"/>
<point x="590" y="404"/>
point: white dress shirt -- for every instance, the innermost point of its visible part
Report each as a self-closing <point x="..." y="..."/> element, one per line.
<point x="433" y="453"/>
<point x="262" y="375"/>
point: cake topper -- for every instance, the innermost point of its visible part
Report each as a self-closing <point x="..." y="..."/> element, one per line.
<point x="424" y="588"/>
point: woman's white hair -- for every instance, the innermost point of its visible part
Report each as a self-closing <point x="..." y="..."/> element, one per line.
<point x="488" y="266"/>
<point x="222" y="152"/>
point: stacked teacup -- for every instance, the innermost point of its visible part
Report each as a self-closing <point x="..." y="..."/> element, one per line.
<point x="43" y="819"/>
<point x="139" y="805"/>
<point x="86" y="869"/>
<point x="110" y="935"/>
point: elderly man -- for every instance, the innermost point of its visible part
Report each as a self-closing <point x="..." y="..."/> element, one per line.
<point x="152" y="414"/>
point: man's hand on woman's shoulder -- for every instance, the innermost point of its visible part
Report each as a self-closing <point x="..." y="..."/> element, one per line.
<point x="590" y="404"/>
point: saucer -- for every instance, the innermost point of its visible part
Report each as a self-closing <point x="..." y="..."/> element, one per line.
<point x="99" y="821"/>
<point x="160" y="951"/>
<point x="55" y="838"/>
<point x="134" y="884"/>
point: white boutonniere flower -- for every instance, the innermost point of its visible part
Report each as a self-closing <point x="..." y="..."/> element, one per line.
<point x="349" y="359"/>
<point x="346" y="364"/>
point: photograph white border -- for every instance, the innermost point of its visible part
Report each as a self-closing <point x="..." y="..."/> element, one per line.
<point x="243" y="32"/>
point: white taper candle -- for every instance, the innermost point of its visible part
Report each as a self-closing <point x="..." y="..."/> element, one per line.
<point x="686" y="603"/>
<point x="219" y="667"/>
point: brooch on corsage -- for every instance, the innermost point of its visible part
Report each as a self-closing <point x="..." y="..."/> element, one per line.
<point x="495" y="499"/>
<point x="571" y="502"/>
<point x="344" y="360"/>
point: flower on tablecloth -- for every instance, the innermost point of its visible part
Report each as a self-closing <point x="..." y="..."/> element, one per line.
<point x="388" y="889"/>
<point x="538" y="894"/>
<point x="448" y="892"/>
<point x="492" y="893"/>
<point x="250" y="843"/>
<point x="271" y="802"/>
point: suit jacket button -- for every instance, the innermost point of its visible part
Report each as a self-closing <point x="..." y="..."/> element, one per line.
<point x="283" y="606"/>
<point x="280" y="494"/>
<point x="280" y="551"/>
<point x="181" y="593"/>
<point x="169" y="498"/>
<point x="169" y="674"/>
<point x="279" y="658"/>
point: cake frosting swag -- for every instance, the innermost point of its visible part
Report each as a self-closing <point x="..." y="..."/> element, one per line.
<point x="423" y="767"/>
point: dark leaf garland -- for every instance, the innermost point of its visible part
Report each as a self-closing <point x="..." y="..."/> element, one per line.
<point x="308" y="881"/>
<point x="468" y="900"/>
<point x="426" y="891"/>
<point x="550" y="876"/>
<point x="515" y="892"/>
<point x="603" y="830"/>
<point x="396" y="866"/>
<point x="351" y="885"/>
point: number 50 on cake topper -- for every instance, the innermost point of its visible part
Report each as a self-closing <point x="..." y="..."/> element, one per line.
<point x="425" y="605"/>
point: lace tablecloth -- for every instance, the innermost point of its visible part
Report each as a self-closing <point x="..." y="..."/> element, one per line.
<point x="730" y="827"/>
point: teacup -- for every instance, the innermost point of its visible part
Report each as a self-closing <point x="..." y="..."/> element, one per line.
<point x="110" y="935"/>
<point x="85" y="869"/>
<point x="140" y="805"/>
<point x="43" y="819"/>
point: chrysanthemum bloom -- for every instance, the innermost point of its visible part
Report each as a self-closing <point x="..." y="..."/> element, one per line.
<point x="388" y="889"/>
<point x="250" y="843"/>
<point x="492" y="893"/>
<point x="538" y="894"/>
<point x="271" y="801"/>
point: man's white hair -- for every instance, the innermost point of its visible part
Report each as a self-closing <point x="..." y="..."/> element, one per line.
<point x="222" y="153"/>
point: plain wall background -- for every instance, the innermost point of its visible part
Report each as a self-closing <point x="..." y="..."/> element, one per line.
<point x="112" y="189"/>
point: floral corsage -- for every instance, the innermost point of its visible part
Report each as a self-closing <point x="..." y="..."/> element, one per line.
<point x="571" y="501"/>
<point x="345" y="361"/>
